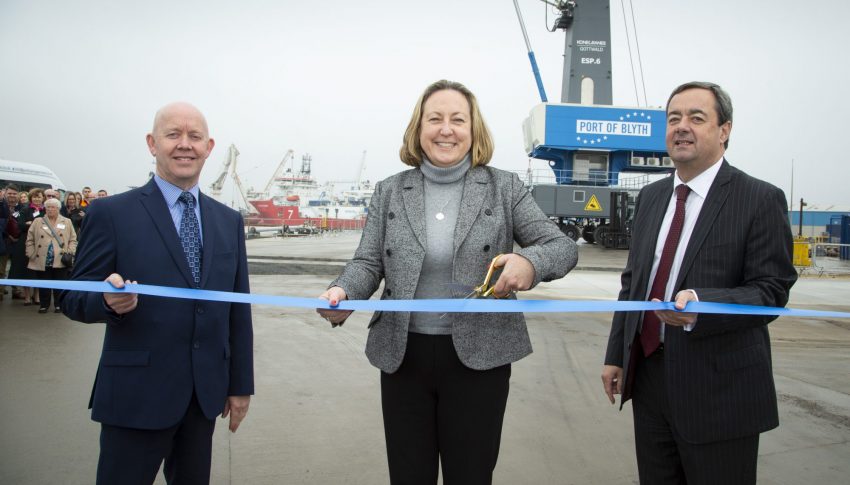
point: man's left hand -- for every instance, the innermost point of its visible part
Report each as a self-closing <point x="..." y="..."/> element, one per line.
<point x="517" y="275"/>
<point x="237" y="408"/>
<point x="679" y="319"/>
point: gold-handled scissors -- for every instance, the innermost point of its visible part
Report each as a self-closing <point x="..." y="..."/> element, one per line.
<point x="484" y="290"/>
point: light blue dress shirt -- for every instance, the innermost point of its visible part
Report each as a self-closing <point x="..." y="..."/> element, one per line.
<point x="172" y="193"/>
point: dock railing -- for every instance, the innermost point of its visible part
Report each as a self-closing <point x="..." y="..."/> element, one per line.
<point x="826" y="259"/>
<point x="623" y="180"/>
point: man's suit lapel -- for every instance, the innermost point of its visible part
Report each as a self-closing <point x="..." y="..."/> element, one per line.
<point x="413" y="194"/>
<point x="717" y="195"/>
<point x="655" y="209"/>
<point x="207" y="223"/>
<point x="474" y="192"/>
<point x="154" y="203"/>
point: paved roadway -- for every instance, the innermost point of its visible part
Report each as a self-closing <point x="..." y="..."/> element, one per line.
<point x="316" y="418"/>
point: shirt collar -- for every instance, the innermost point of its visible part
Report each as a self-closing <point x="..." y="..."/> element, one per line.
<point x="172" y="192"/>
<point x="702" y="182"/>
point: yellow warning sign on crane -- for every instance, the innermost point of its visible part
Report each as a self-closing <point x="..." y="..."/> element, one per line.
<point x="593" y="204"/>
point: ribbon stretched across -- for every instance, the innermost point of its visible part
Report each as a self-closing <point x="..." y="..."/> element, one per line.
<point x="437" y="306"/>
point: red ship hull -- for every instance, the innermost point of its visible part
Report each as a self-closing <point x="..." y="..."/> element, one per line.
<point x="272" y="215"/>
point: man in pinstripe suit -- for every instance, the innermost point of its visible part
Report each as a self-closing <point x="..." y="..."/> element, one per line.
<point x="701" y="385"/>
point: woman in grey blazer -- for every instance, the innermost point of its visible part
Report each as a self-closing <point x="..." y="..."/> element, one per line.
<point x="431" y="229"/>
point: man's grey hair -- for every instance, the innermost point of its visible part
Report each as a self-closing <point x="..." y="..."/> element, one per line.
<point x="722" y="100"/>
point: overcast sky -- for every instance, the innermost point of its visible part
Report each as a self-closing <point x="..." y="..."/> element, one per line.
<point x="80" y="80"/>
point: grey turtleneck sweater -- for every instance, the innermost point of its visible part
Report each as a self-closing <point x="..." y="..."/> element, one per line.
<point x="443" y="192"/>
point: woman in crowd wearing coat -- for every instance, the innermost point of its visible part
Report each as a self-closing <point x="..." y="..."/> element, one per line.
<point x="431" y="229"/>
<point x="29" y="207"/>
<point x="73" y="211"/>
<point x="48" y="238"/>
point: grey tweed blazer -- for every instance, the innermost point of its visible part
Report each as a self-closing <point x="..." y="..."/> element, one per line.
<point x="496" y="211"/>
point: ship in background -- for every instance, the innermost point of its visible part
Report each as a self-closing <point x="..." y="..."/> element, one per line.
<point x="294" y="201"/>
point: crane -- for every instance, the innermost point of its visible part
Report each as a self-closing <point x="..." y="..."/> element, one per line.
<point x="281" y="168"/>
<point x="216" y="186"/>
<point x="238" y="182"/>
<point x="361" y="178"/>
<point x="229" y="166"/>
<point x="599" y="155"/>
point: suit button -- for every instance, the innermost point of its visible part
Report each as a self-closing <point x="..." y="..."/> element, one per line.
<point x="200" y="310"/>
<point x="389" y="252"/>
<point x="196" y="345"/>
<point x="389" y="292"/>
<point x="391" y="216"/>
<point x="486" y="247"/>
<point x="488" y="212"/>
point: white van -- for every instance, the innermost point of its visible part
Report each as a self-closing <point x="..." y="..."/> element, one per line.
<point x="28" y="176"/>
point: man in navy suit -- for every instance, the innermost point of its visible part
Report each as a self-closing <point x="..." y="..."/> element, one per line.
<point x="169" y="366"/>
<point x="701" y="385"/>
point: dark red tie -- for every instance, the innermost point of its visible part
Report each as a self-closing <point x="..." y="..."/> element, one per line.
<point x="649" y="335"/>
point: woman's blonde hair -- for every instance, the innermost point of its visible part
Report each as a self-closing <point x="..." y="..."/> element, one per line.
<point x="482" y="142"/>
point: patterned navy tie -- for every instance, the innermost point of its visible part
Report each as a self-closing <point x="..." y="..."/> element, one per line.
<point x="190" y="236"/>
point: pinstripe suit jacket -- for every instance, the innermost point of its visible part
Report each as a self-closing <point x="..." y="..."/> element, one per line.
<point x="718" y="376"/>
<point x="496" y="210"/>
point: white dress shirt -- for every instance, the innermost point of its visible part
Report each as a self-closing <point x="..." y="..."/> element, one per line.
<point x="693" y="205"/>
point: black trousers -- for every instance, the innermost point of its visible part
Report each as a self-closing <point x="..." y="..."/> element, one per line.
<point x="133" y="456"/>
<point x="664" y="457"/>
<point x="437" y="409"/>
<point x="44" y="293"/>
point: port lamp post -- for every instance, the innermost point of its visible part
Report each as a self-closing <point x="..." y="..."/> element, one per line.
<point x="800" y="225"/>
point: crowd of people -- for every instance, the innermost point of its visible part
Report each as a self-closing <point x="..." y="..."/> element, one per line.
<point x="37" y="228"/>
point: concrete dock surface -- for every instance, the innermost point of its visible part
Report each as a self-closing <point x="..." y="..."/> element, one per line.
<point x="316" y="416"/>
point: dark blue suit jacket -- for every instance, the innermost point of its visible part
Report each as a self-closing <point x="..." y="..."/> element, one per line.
<point x="155" y="356"/>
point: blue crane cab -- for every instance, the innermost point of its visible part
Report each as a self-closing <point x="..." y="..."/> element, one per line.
<point x="596" y="153"/>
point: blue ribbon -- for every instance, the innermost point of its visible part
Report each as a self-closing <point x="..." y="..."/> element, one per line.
<point x="434" y="306"/>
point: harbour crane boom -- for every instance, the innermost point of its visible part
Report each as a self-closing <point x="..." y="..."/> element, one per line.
<point x="361" y="176"/>
<point x="238" y="182"/>
<point x="216" y="186"/>
<point x="281" y="168"/>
